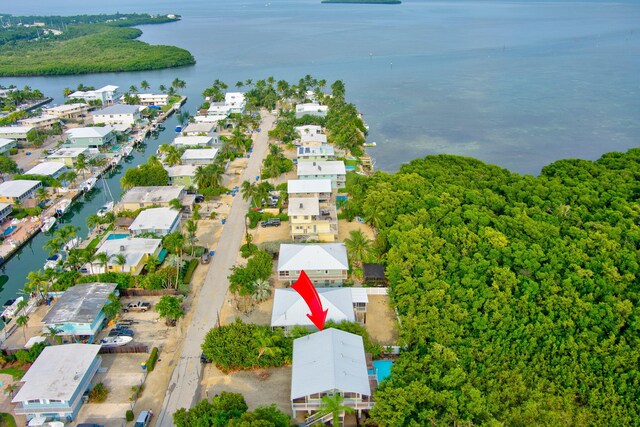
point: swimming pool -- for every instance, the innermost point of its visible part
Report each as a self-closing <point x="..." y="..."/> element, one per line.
<point x="115" y="236"/>
<point x="382" y="369"/>
<point x="9" y="231"/>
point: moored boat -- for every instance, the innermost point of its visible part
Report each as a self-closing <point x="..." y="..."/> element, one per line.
<point x="10" y="311"/>
<point x="89" y="184"/>
<point x="115" y="341"/>
<point x="72" y="244"/>
<point x="62" y="207"/>
<point x="104" y="209"/>
<point x="128" y="151"/>
<point x="47" y="224"/>
<point x="52" y="261"/>
<point x="370" y="144"/>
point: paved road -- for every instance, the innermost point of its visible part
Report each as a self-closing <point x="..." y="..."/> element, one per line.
<point x="184" y="385"/>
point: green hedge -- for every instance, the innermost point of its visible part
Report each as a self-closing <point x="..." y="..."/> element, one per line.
<point x="153" y="358"/>
<point x="189" y="271"/>
<point x="129" y="415"/>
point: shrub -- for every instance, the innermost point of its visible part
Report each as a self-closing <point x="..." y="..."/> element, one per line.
<point x="153" y="358"/>
<point x="98" y="393"/>
<point x="123" y="280"/>
<point x="13" y="151"/>
<point x="248" y="249"/>
<point x="129" y="415"/>
<point x="189" y="271"/>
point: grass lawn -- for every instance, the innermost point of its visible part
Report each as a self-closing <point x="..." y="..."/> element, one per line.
<point x="6" y="420"/>
<point x="14" y="372"/>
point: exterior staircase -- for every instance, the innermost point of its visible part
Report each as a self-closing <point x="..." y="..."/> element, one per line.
<point x="318" y="420"/>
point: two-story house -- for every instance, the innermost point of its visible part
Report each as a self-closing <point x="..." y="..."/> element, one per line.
<point x="78" y="314"/>
<point x="90" y="137"/>
<point x="309" y="221"/>
<point x="199" y="156"/>
<point x="6" y="145"/>
<point x="311" y="108"/>
<point x="44" y="121"/>
<point x="21" y="191"/>
<point x="183" y="175"/>
<point x="54" y="385"/>
<point x="315" y="188"/>
<point x="18" y="133"/>
<point x="326" y="264"/>
<point x="150" y="197"/>
<point x="118" y="114"/>
<point x="308" y="153"/>
<point x="52" y="169"/>
<point x="333" y="170"/>
<point x="76" y="110"/>
<point x="327" y="363"/>
<point x="104" y="95"/>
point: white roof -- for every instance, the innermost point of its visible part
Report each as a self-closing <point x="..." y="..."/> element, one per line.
<point x="89" y="132"/>
<point x="57" y="372"/>
<point x="118" y="109"/>
<point x="108" y="88"/>
<point x="200" y="127"/>
<point x="231" y="98"/>
<point x="152" y="194"/>
<point x="46" y="168"/>
<point x="308" y="129"/>
<point x="310" y="107"/>
<point x="133" y="248"/>
<point x="210" y="118"/>
<point x="313" y="256"/>
<point x="6" y="141"/>
<point x="296" y="186"/>
<point x="322" y="167"/>
<point x="15" y="129"/>
<point x="192" y="140"/>
<point x="303" y="206"/>
<point x="318" y="137"/>
<point x="66" y="107"/>
<point x="199" y="154"/>
<point x="359" y="295"/>
<point x="289" y="309"/>
<point x="18" y="187"/>
<point x="41" y="118"/>
<point x="181" y="170"/>
<point x="156" y="218"/>
<point x="68" y="152"/>
<point x="329" y="360"/>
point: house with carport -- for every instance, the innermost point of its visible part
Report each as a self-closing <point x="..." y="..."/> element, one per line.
<point x="158" y="221"/>
<point x="54" y="386"/>
<point x="309" y="221"/>
<point x="334" y="170"/>
<point x="135" y="250"/>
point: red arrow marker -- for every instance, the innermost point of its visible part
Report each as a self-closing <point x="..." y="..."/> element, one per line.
<point x="308" y="292"/>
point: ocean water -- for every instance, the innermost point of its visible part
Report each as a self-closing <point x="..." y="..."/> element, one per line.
<point x="514" y="83"/>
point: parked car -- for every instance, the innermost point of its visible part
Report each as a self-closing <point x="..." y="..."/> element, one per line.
<point x="273" y="222"/>
<point x="144" y="419"/>
<point x="204" y="358"/>
<point x="122" y="332"/>
<point x="205" y="258"/>
<point x="137" y="306"/>
<point x="199" y="198"/>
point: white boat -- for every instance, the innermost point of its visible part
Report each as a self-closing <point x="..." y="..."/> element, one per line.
<point x="116" y="159"/>
<point x="10" y="311"/>
<point x="370" y="144"/>
<point x="72" y="244"/>
<point x="104" y="209"/>
<point x="62" y="207"/>
<point x="366" y="126"/>
<point x="115" y="341"/>
<point x="52" y="261"/>
<point x="128" y="151"/>
<point x="47" y="224"/>
<point x="89" y="184"/>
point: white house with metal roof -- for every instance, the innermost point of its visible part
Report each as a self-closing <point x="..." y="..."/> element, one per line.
<point x="136" y="252"/>
<point x="313" y="140"/>
<point x="193" y="141"/>
<point x="6" y="144"/>
<point x="308" y="130"/>
<point x="290" y="310"/>
<point x="18" y="190"/>
<point x="52" y="169"/>
<point x="159" y="221"/>
<point x="68" y="155"/>
<point x="44" y="121"/>
<point x="199" y="129"/>
<point x="333" y="170"/>
<point x="235" y="101"/>
<point x="159" y="99"/>
<point x="182" y="175"/>
<point x="199" y="156"/>
<point x="5" y="210"/>
<point x="90" y="137"/>
<point x="326" y="264"/>
<point x="106" y="94"/>
<point x="54" y="385"/>
<point x="311" y="108"/>
<point x="78" y="314"/>
<point x="319" y="188"/>
<point x="118" y="114"/>
<point x="19" y="133"/>
<point x="327" y="363"/>
<point x="150" y="197"/>
<point x="69" y="111"/>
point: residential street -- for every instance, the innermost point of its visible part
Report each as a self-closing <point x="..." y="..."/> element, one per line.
<point x="184" y="386"/>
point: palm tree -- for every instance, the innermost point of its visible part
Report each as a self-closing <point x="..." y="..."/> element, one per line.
<point x="239" y="84"/>
<point x="248" y="190"/>
<point x="144" y="85"/>
<point x="81" y="164"/>
<point x="201" y="177"/>
<point x="178" y="84"/>
<point x="67" y="232"/>
<point x="173" y="158"/>
<point x="358" y="245"/>
<point x="133" y="89"/>
<point x="333" y="405"/>
<point x="52" y="334"/>
<point x="23" y="321"/>
<point x="54" y="245"/>
<point x="275" y="150"/>
<point x="120" y="260"/>
<point x="93" y="220"/>
<point x="266" y="343"/>
<point x="192" y="228"/>
<point x="162" y="88"/>
<point x="151" y="265"/>
<point x="70" y="176"/>
<point x="102" y="259"/>
<point x="262" y="290"/>
<point x="175" y="204"/>
<point x="154" y="161"/>
<point x="36" y="283"/>
<point x="41" y="195"/>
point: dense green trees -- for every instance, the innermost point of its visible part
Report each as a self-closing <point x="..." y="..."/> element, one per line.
<point x="88" y="46"/>
<point x="150" y="173"/>
<point x="229" y="409"/>
<point x="518" y="295"/>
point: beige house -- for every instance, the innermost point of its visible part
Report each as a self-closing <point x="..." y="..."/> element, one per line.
<point x="69" y="111"/>
<point x="311" y="222"/>
<point x="326" y="264"/>
<point x="44" y="121"/>
<point x="136" y="252"/>
<point x="150" y="197"/>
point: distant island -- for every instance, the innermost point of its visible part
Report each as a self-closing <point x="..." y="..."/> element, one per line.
<point x="363" y="1"/>
<point x="63" y="45"/>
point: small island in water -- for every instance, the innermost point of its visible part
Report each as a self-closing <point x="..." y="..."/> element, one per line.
<point x="62" y="45"/>
<point x="363" y="1"/>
